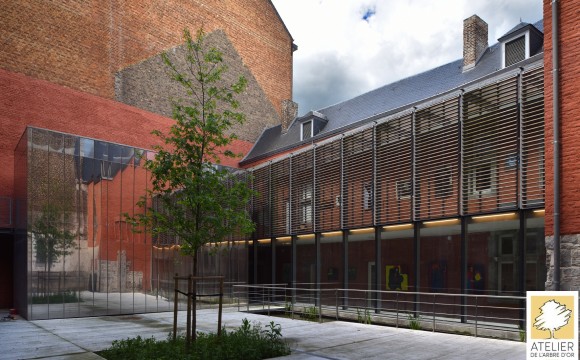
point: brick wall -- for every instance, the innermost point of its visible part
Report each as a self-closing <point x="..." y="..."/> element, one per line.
<point x="147" y="85"/>
<point x="569" y="107"/>
<point x="26" y="101"/>
<point x="569" y="44"/>
<point x="81" y="44"/>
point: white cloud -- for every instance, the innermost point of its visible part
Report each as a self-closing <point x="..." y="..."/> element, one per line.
<point x="341" y="55"/>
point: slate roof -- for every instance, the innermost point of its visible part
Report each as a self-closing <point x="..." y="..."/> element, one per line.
<point x="390" y="98"/>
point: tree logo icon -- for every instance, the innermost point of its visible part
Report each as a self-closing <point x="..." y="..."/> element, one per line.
<point x="553" y="317"/>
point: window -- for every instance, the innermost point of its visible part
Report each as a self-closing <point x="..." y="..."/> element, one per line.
<point x="481" y="180"/>
<point x="515" y="51"/>
<point x="444" y="183"/>
<point x="403" y="189"/>
<point x="367" y="196"/>
<point x="306" y="205"/>
<point x="306" y="130"/>
<point x="106" y="173"/>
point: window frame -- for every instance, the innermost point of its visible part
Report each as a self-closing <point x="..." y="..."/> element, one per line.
<point x="309" y="123"/>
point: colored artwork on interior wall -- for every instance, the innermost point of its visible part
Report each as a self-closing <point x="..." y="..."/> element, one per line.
<point x="396" y="280"/>
<point x="475" y="278"/>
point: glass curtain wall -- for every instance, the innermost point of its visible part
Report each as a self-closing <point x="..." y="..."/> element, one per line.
<point x="361" y="269"/>
<point x="398" y="265"/>
<point x="83" y="258"/>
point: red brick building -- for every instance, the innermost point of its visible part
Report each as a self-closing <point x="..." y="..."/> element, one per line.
<point x="73" y="68"/>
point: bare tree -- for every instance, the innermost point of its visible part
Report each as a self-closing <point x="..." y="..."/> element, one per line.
<point x="553" y="317"/>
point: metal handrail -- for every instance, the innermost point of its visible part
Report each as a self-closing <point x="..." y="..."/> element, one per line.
<point x="386" y="306"/>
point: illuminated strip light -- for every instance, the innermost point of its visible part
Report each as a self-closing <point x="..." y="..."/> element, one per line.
<point x="308" y="236"/>
<point x="332" y="233"/>
<point x="441" y="222"/>
<point x="493" y="216"/>
<point x="264" y="241"/>
<point x="362" y="230"/>
<point x="284" y="238"/>
<point x="398" y="227"/>
<point x="540" y="211"/>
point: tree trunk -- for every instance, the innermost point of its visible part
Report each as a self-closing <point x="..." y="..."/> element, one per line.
<point x="194" y="295"/>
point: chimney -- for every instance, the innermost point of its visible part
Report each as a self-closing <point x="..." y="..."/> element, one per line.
<point x="289" y="112"/>
<point x="474" y="40"/>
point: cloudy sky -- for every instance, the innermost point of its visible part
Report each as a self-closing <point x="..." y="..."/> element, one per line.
<point x="348" y="47"/>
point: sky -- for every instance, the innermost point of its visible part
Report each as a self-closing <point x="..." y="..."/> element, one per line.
<point x="349" y="47"/>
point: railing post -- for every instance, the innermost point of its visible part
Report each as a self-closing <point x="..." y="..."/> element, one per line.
<point x="336" y="300"/>
<point x="397" y="304"/>
<point x="175" y="305"/>
<point x="319" y="305"/>
<point x="219" y="331"/>
<point x="269" y="299"/>
<point x="433" y="312"/>
<point x="476" y="316"/>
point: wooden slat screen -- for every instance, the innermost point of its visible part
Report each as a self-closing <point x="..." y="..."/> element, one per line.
<point x="437" y="160"/>
<point x="280" y="177"/>
<point x="357" y="186"/>
<point x="490" y="148"/>
<point x="394" y="170"/>
<point x="533" y="171"/>
<point x="327" y="186"/>
<point x="261" y="202"/>
<point x="302" y="193"/>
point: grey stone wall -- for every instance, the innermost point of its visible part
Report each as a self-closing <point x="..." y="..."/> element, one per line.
<point x="569" y="262"/>
<point x="147" y="85"/>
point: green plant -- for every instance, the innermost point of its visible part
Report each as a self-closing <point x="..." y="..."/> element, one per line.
<point x="191" y="199"/>
<point x="414" y="322"/>
<point x="522" y="334"/>
<point x="68" y="296"/>
<point x="310" y="313"/>
<point x="249" y="341"/>
<point x="363" y="317"/>
<point x="288" y="306"/>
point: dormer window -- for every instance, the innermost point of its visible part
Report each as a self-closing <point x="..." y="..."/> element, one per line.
<point x="515" y="51"/>
<point x="306" y="130"/>
<point x="520" y="43"/>
<point x="311" y="124"/>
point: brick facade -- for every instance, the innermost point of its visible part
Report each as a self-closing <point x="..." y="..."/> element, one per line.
<point x="148" y="86"/>
<point x="82" y="44"/>
<point x="569" y="69"/>
<point x="38" y="103"/>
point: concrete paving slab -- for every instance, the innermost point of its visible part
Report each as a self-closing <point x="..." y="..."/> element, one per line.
<point x="78" y="338"/>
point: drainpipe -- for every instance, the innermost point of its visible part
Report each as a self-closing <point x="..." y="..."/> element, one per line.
<point x="556" y="114"/>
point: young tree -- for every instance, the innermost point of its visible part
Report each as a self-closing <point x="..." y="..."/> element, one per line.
<point x="554" y="316"/>
<point x="51" y="240"/>
<point x="194" y="200"/>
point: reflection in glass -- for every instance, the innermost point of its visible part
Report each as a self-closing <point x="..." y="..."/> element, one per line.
<point x="83" y="257"/>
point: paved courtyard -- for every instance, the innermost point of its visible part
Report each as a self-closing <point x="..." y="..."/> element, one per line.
<point x="79" y="338"/>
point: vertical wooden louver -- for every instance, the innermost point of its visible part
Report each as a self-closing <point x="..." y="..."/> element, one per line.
<point x="533" y="187"/>
<point x="245" y="177"/>
<point x="327" y="186"/>
<point x="490" y="148"/>
<point x="261" y="201"/>
<point x="302" y="193"/>
<point x="280" y="177"/>
<point x="357" y="186"/>
<point x="437" y="160"/>
<point x="394" y="176"/>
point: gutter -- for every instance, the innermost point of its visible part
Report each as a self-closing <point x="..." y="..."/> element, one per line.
<point x="556" y="126"/>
